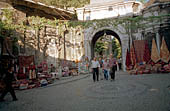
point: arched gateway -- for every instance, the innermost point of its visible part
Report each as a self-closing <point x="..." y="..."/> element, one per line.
<point x="104" y="9"/>
<point x="98" y="35"/>
<point x="92" y="34"/>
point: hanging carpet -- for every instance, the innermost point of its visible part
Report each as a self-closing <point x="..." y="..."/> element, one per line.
<point x="128" y="60"/>
<point x="154" y="52"/>
<point x="164" y="52"/>
<point x="133" y="55"/>
<point x="139" y="50"/>
<point x="147" y="53"/>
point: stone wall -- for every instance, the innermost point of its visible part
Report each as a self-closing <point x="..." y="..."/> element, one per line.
<point x="49" y="46"/>
<point x="157" y="29"/>
<point x="45" y="43"/>
<point x="160" y="27"/>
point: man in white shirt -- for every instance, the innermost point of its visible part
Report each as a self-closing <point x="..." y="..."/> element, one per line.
<point x="95" y="67"/>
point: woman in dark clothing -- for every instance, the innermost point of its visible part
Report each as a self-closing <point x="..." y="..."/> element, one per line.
<point x="112" y="72"/>
<point x="9" y="77"/>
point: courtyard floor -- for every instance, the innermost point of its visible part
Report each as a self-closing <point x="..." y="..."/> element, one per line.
<point x="149" y="92"/>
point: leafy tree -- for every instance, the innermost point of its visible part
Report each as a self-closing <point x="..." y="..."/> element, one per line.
<point x="143" y="1"/>
<point x="65" y="3"/>
<point x="116" y="48"/>
<point x="99" y="47"/>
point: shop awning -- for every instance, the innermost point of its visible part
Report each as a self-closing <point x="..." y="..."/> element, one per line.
<point x="32" y="8"/>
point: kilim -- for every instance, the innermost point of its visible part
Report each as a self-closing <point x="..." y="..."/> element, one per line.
<point x="154" y="54"/>
<point x="147" y="54"/>
<point x="128" y="60"/>
<point x="139" y="46"/>
<point x="133" y="55"/>
<point x="164" y="52"/>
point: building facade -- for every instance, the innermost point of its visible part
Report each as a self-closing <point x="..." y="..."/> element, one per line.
<point x="102" y="9"/>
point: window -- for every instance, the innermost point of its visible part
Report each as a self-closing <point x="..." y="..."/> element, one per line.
<point x="110" y="8"/>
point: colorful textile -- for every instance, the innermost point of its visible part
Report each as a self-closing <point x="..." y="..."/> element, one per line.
<point x="44" y="66"/>
<point x="154" y="54"/>
<point x="164" y="52"/>
<point x="128" y="60"/>
<point x="139" y="46"/>
<point x="147" y="54"/>
<point x="133" y="55"/>
<point x="25" y="61"/>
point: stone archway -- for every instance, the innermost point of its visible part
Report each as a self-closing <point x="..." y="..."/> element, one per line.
<point x="92" y="34"/>
<point x="98" y="35"/>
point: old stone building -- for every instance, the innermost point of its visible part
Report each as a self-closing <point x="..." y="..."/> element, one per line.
<point x="51" y="44"/>
<point x="103" y="9"/>
<point x="151" y="22"/>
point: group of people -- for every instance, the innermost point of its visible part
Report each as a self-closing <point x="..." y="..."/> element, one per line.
<point x="103" y="66"/>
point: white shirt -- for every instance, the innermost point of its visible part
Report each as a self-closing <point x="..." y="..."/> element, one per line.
<point x="94" y="64"/>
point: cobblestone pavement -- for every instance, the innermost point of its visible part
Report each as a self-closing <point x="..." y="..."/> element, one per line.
<point x="149" y="92"/>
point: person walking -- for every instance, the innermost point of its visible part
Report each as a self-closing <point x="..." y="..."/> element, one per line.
<point x="9" y="77"/>
<point x="112" y="72"/>
<point x="101" y="68"/>
<point x="113" y="65"/>
<point x="106" y="69"/>
<point x="95" y="69"/>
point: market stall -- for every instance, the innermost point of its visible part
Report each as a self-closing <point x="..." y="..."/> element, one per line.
<point x="141" y="60"/>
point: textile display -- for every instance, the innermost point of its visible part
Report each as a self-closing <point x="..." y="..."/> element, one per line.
<point x="23" y="84"/>
<point x="139" y="47"/>
<point x="128" y="60"/>
<point x="44" y="66"/>
<point x="164" y="52"/>
<point x="26" y="60"/>
<point x="154" y="52"/>
<point x="133" y="55"/>
<point x="147" y="54"/>
<point x="32" y="74"/>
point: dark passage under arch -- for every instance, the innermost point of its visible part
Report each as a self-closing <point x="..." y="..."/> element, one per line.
<point x="100" y="34"/>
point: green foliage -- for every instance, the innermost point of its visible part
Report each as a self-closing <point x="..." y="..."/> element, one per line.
<point x="99" y="47"/>
<point x="40" y="22"/>
<point x="6" y="23"/>
<point x="65" y="3"/>
<point x="116" y="48"/>
<point x="143" y="1"/>
<point x="128" y="23"/>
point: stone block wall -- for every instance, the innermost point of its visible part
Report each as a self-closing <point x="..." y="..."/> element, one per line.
<point x="49" y="46"/>
<point x="45" y="43"/>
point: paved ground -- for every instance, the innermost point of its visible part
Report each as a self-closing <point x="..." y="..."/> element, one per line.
<point x="127" y="93"/>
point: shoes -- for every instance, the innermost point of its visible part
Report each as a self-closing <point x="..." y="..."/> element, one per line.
<point x="15" y="99"/>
